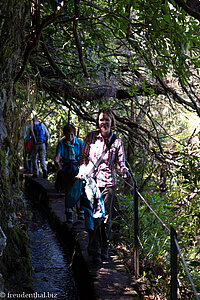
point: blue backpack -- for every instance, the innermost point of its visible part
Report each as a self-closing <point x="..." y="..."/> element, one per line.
<point x="39" y="134"/>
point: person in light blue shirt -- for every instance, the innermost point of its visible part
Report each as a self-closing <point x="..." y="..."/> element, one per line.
<point x="66" y="162"/>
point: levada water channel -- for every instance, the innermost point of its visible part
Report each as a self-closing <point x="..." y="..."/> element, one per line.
<point x="52" y="274"/>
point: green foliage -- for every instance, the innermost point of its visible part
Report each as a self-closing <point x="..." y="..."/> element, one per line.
<point x="156" y="245"/>
<point x="188" y="172"/>
<point x="17" y="257"/>
<point x="161" y="35"/>
<point x="148" y="49"/>
<point x="155" y="238"/>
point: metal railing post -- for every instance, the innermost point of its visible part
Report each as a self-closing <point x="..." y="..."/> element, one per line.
<point x="136" y="242"/>
<point x="174" y="253"/>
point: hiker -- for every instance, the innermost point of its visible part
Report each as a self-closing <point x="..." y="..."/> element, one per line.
<point x="104" y="174"/>
<point x="39" y="138"/>
<point x="28" y="166"/>
<point x="66" y="162"/>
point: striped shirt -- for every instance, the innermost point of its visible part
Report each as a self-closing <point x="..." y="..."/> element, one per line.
<point x="93" y="147"/>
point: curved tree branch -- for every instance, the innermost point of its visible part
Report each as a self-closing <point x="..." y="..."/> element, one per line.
<point x="36" y="31"/>
<point x="76" y="36"/>
<point x="192" y="7"/>
<point x="51" y="60"/>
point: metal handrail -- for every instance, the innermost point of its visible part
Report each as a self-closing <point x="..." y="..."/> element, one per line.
<point x="162" y="223"/>
<point x="186" y="269"/>
<point x="136" y="194"/>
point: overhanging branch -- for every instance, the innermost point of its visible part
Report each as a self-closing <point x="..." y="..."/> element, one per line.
<point x="192" y="7"/>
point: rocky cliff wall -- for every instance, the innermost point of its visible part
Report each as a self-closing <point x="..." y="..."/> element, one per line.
<point x="15" y="259"/>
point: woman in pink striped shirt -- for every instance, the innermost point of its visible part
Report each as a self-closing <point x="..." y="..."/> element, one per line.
<point x="105" y="175"/>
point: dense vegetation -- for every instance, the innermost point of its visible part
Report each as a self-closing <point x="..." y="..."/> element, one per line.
<point x="141" y="58"/>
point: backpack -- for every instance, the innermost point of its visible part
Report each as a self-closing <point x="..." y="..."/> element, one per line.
<point x="39" y="134"/>
<point x="74" y="193"/>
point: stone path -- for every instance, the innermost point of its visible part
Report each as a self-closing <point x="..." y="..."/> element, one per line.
<point x="108" y="280"/>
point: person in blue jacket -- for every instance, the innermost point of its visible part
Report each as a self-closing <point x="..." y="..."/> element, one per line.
<point x="39" y="135"/>
<point x="66" y="162"/>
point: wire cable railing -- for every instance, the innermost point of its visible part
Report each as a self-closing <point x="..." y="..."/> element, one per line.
<point x="155" y="214"/>
<point x="174" y="248"/>
<point x="186" y="269"/>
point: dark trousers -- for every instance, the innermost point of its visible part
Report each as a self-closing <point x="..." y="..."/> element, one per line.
<point x="100" y="236"/>
<point x="65" y="181"/>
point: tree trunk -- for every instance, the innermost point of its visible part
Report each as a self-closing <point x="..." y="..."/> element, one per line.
<point x="16" y="256"/>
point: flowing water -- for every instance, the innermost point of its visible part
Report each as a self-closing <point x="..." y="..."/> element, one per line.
<point x="52" y="274"/>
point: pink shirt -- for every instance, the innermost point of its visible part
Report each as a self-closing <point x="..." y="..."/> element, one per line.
<point x="93" y="148"/>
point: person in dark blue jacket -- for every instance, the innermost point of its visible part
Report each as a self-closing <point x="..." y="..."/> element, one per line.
<point x="39" y="135"/>
<point x="66" y="162"/>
